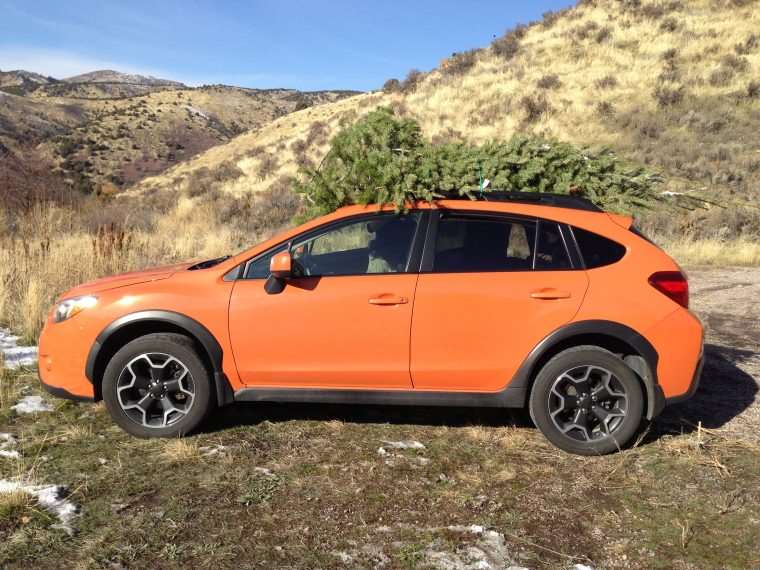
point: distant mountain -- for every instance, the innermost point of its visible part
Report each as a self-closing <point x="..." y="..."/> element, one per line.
<point x="111" y="128"/>
<point x="19" y="76"/>
<point x="20" y="82"/>
<point x="111" y="76"/>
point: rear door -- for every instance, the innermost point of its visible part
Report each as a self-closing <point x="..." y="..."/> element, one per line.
<point x="492" y="287"/>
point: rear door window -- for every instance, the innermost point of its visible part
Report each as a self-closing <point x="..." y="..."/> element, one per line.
<point x="482" y="244"/>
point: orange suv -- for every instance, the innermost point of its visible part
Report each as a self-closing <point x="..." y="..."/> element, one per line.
<point x="510" y="300"/>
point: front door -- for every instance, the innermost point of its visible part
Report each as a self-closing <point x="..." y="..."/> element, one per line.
<point x="497" y="286"/>
<point x="344" y="323"/>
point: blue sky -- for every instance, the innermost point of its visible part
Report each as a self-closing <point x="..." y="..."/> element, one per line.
<point x="318" y="44"/>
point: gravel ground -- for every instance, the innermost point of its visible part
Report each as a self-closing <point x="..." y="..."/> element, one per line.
<point x="727" y="300"/>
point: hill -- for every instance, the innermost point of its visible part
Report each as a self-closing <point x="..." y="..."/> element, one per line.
<point x="667" y="83"/>
<point x="108" y="129"/>
<point x="111" y="76"/>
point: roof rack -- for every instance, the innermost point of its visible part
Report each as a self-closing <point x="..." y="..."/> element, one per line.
<point x="538" y="198"/>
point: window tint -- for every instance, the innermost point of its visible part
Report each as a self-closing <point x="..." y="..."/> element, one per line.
<point x="378" y="244"/>
<point x="597" y="251"/>
<point x="551" y="252"/>
<point x="259" y="268"/>
<point x="483" y="244"/>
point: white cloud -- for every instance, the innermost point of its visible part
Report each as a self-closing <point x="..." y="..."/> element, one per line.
<point x="62" y="64"/>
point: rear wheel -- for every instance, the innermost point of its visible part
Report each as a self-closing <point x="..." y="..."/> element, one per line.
<point x="587" y="401"/>
<point x="157" y="386"/>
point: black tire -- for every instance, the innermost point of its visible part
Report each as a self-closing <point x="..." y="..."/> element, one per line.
<point x="171" y="355"/>
<point x="570" y="408"/>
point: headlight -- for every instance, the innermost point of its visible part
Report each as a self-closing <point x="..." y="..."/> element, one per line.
<point x="70" y="307"/>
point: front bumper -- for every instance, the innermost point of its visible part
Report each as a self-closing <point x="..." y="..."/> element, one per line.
<point x="63" y="393"/>
<point x="62" y="356"/>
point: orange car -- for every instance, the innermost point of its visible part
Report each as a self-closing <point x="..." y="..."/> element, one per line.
<point x="510" y="300"/>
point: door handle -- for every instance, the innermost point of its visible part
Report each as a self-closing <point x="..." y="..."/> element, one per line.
<point x="549" y="294"/>
<point x="388" y="300"/>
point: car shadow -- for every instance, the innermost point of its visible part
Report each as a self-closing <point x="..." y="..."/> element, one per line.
<point x="724" y="392"/>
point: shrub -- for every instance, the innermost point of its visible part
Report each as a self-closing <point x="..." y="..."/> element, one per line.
<point x="460" y="63"/>
<point x="606" y="82"/>
<point x="604" y="34"/>
<point x="585" y="31"/>
<point x="753" y="90"/>
<point x="731" y="61"/>
<point x="507" y="46"/>
<point x="267" y="166"/>
<point x="605" y="109"/>
<point x="383" y="159"/>
<point x="669" y="24"/>
<point x="412" y="81"/>
<point x="550" y="81"/>
<point x="392" y="86"/>
<point x="721" y="76"/>
<point x="534" y="107"/>
<point x="747" y="46"/>
<point x="669" y="94"/>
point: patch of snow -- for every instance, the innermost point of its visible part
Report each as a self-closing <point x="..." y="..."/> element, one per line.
<point x="53" y="498"/>
<point x="264" y="471"/>
<point x="581" y="567"/>
<point x="196" y="111"/>
<point x="7" y="445"/>
<point x="488" y="552"/>
<point x="209" y="450"/>
<point x="32" y="405"/>
<point x="407" y="444"/>
<point x="15" y="356"/>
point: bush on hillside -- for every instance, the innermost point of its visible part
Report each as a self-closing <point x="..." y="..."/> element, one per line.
<point x="384" y="159"/>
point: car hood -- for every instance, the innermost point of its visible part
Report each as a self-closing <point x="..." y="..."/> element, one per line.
<point x="125" y="279"/>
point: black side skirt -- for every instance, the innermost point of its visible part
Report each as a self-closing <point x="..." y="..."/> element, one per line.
<point x="510" y="397"/>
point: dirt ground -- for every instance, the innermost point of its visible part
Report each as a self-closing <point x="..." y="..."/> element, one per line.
<point x="727" y="301"/>
<point x="379" y="487"/>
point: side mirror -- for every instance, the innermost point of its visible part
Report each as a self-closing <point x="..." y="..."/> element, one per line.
<point x="281" y="265"/>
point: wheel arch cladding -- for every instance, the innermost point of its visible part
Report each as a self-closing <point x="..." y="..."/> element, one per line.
<point x="638" y="353"/>
<point x="134" y="325"/>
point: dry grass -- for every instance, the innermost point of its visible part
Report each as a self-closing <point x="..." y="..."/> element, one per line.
<point x="688" y="251"/>
<point x="181" y="450"/>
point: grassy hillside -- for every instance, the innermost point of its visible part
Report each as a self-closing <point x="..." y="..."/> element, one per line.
<point x="672" y="84"/>
<point x="104" y="136"/>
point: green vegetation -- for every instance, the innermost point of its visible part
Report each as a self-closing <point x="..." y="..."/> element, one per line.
<point x="385" y="159"/>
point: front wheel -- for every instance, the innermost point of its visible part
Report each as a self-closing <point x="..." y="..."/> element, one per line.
<point x="587" y="401"/>
<point x="157" y="386"/>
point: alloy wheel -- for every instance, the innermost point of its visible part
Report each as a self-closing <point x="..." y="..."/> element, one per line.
<point x="587" y="403"/>
<point x="155" y="390"/>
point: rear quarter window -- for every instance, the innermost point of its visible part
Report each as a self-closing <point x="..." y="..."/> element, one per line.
<point x="597" y="251"/>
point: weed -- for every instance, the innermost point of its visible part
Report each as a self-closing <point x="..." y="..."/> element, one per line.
<point x="549" y="81"/>
<point x="259" y="490"/>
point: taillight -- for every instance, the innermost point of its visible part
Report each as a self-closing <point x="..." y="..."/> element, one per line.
<point x="672" y="284"/>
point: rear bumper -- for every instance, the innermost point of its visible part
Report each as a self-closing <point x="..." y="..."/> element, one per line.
<point x="692" y="388"/>
<point x="679" y="341"/>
